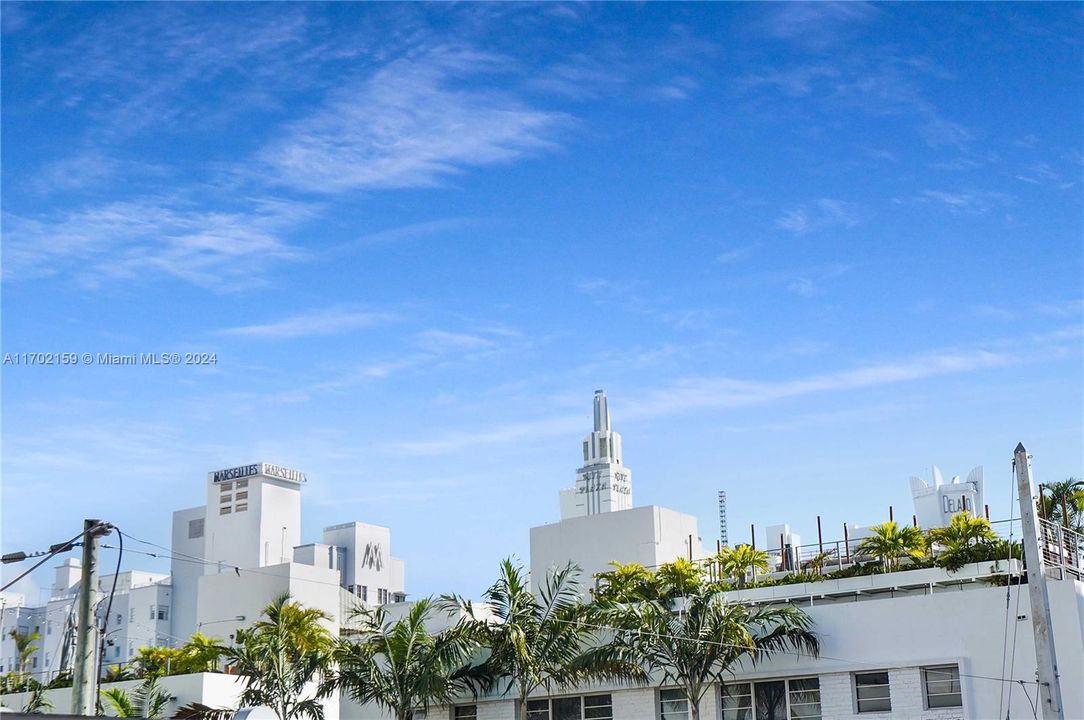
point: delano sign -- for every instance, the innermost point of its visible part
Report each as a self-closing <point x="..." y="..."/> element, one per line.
<point x="266" y="469"/>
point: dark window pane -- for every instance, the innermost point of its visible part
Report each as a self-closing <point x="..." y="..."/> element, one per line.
<point x="771" y="700"/>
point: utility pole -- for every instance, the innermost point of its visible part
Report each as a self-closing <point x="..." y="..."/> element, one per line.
<point x="83" y="670"/>
<point x="1045" y="657"/>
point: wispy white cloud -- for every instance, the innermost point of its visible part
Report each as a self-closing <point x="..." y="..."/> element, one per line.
<point x="814" y="25"/>
<point x="149" y="56"/>
<point x="443" y="341"/>
<point x="126" y="240"/>
<point x="735" y="254"/>
<point x="722" y="393"/>
<point x="978" y="202"/>
<point x="323" y="322"/>
<point x="822" y="214"/>
<point x="411" y="124"/>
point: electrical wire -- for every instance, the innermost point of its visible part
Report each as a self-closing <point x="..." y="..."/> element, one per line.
<point x="53" y="551"/>
<point x="1008" y="594"/>
<point x="195" y="559"/>
<point x="108" y="613"/>
<point x="818" y="656"/>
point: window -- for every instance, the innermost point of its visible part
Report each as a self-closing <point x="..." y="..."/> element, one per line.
<point x="566" y="708"/>
<point x="163" y="612"/>
<point x="770" y="697"/>
<point x="195" y="528"/>
<point x="738" y="701"/>
<point x="804" y="698"/>
<point x="153" y="609"/>
<point x="242" y="484"/>
<point x="241" y="507"/>
<point x="224" y="510"/>
<point x="226" y="487"/>
<point x="242" y="495"/>
<point x="120" y="618"/>
<point x="598" y="707"/>
<point x="226" y="499"/>
<point x="791" y="698"/>
<point x="35" y="662"/>
<point x="673" y="705"/>
<point x="538" y="710"/>
<point x="48" y="628"/>
<point x="116" y="651"/>
<point x="365" y="593"/>
<point x="131" y="615"/>
<point x="586" y="452"/>
<point x="589" y="707"/>
<point x="871" y="692"/>
<point x="942" y="686"/>
<point x="465" y="712"/>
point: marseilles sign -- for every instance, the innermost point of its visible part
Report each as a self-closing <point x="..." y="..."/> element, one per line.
<point x="265" y="469"/>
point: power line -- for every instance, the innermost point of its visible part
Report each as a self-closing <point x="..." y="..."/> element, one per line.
<point x="50" y="553"/>
<point x="700" y="641"/>
<point x="176" y="555"/>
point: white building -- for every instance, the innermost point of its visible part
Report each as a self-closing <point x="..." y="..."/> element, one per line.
<point x="921" y="644"/>
<point x="598" y="523"/>
<point x="937" y="502"/>
<point x="229" y="559"/>
<point x="236" y="553"/>
<point x="603" y="484"/>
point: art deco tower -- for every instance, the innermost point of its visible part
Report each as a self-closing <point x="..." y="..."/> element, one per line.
<point x="603" y="484"/>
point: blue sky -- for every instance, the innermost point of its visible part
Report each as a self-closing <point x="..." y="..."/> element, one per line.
<point x="808" y="250"/>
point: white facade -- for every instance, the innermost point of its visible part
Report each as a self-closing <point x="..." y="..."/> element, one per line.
<point x="603" y="484"/>
<point x="649" y="535"/>
<point x="370" y="571"/>
<point x="598" y="523"/>
<point x="904" y="628"/>
<point x="937" y="502"/>
<point x="138" y="617"/>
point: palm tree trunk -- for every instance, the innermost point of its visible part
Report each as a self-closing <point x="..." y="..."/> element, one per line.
<point x="523" y="705"/>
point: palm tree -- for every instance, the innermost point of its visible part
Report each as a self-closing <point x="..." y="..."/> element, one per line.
<point x="201" y="653"/>
<point x="818" y="562"/>
<point x="400" y="666"/>
<point x="1063" y="504"/>
<point x="679" y="577"/>
<point x="699" y="645"/>
<point x="117" y="673"/>
<point x="737" y="561"/>
<point x="624" y="583"/>
<point x="37" y="703"/>
<point x="963" y="530"/>
<point x="890" y="542"/>
<point x="539" y="642"/>
<point x="146" y="700"/>
<point x="24" y="648"/>
<point x="282" y="657"/>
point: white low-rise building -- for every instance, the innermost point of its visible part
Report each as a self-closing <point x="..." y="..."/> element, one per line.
<point x="924" y="644"/>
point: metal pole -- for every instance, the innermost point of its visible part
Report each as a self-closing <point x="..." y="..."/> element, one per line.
<point x="846" y="543"/>
<point x="1046" y="658"/>
<point x="83" y="664"/>
<point x="820" y="538"/>
<point x="890" y="518"/>
<point x="782" y="553"/>
<point x="914" y="520"/>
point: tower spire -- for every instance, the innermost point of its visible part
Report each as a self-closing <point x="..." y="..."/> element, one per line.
<point x="603" y="484"/>
<point x="602" y="411"/>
